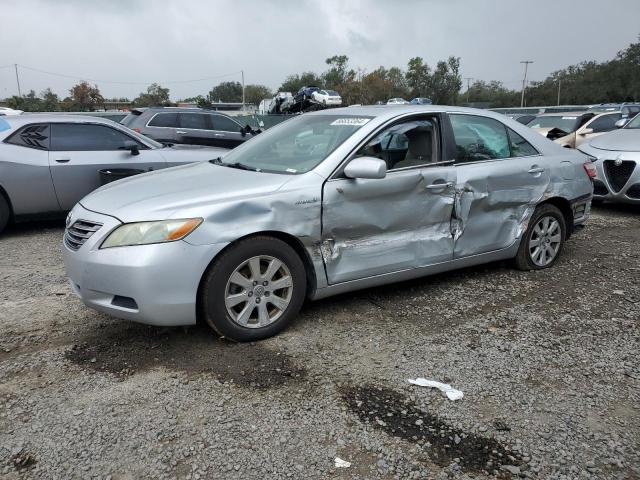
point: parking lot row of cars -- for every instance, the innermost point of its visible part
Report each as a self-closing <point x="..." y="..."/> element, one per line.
<point x="307" y="208"/>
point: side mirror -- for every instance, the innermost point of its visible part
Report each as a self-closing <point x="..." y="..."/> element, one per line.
<point x="132" y="146"/>
<point x="366" y="167"/>
<point x="586" y="131"/>
<point x="245" y="130"/>
<point x="621" y="123"/>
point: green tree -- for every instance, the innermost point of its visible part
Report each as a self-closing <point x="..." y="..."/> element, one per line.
<point x="445" y="82"/>
<point x="254" y="94"/>
<point x="50" y="101"/>
<point x="155" y="96"/>
<point x="83" y="97"/>
<point x="226" y="92"/>
<point x="295" y="82"/>
<point x="338" y="74"/>
<point x="417" y="77"/>
<point x="492" y="93"/>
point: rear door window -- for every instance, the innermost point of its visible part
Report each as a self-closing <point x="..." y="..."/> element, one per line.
<point x="479" y="138"/>
<point x="87" y="137"/>
<point x="519" y="146"/>
<point x="196" y="121"/>
<point x="224" y="124"/>
<point x="164" y="120"/>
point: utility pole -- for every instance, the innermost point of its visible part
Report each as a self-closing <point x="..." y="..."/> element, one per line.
<point x="524" y="80"/>
<point x="468" y="79"/>
<point x="559" y="83"/>
<point x="17" y="79"/>
<point x="242" y="72"/>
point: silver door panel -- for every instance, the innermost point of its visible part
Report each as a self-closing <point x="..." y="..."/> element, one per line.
<point x="372" y="227"/>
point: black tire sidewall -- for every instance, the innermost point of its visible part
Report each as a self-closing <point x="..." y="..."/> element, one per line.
<point x="213" y="293"/>
<point x="5" y="213"/>
<point x="544" y="211"/>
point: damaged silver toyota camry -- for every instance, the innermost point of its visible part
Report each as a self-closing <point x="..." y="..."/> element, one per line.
<point x="324" y="203"/>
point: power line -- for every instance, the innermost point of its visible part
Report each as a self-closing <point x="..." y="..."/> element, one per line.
<point x="77" y="77"/>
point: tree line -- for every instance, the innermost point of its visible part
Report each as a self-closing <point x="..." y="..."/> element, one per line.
<point x="616" y="80"/>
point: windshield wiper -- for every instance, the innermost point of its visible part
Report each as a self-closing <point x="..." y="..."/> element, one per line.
<point x="241" y="166"/>
<point x="238" y="165"/>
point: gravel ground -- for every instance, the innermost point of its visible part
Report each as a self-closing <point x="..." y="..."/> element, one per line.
<point x="548" y="363"/>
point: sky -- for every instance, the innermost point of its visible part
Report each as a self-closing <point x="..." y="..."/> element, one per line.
<point x="192" y="45"/>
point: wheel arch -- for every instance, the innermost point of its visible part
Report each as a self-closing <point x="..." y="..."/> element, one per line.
<point x="291" y="240"/>
<point x="5" y="195"/>
<point x="565" y="207"/>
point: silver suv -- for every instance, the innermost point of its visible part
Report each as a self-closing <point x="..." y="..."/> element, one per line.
<point x="193" y="126"/>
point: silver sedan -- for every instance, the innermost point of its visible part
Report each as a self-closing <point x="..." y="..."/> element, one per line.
<point x="328" y="202"/>
<point x="616" y="158"/>
<point x="49" y="162"/>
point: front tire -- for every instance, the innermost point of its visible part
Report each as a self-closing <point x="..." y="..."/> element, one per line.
<point x="254" y="290"/>
<point x="544" y="239"/>
<point x="5" y="213"/>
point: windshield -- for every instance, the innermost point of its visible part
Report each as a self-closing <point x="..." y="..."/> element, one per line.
<point x="566" y="123"/>
<point x="635" y="123"/>
<point x="297" y="145"/>
<point x="333" y="93"/>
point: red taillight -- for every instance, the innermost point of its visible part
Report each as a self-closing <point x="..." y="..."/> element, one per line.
<point x="590" y="168"/>
<point x="136" y="130"/>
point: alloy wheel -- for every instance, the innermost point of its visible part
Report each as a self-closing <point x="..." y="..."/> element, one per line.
<point x="258" y="291"/>
<point x="545" y="241"/>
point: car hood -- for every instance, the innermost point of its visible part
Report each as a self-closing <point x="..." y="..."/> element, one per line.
<point x="625" y="140"/>
<point x="174" y="191"/>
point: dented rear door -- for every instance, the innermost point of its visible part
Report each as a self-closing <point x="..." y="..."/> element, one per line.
<point x="499" y="182"/>
<point x="377" y="226"/>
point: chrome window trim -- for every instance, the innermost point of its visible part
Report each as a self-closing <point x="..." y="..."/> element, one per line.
<point x="193" y="129"/>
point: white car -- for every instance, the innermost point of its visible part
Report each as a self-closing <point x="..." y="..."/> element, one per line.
<point x="9" y="111"/>
<point x="327" y="97"/>
<point x="397" y="101"/>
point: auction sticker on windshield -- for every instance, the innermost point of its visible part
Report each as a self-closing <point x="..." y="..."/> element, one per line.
<point x="354" y="122"/>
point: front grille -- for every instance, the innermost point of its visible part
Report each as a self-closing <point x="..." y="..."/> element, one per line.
<point x="80" y="232"/>
<point x="634" y="191"/>
<point x="599" y="188"/>
<point x="618" y="175"/>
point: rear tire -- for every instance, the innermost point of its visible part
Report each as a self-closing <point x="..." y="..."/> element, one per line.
<point x="544" y="239"/>
<point x="254" y="290"/>
<point x="5" y="213"/>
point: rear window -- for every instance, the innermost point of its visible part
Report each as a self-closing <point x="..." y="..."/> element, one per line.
<point x="128" y="120"/>
<point x="164" y="120"/>
<point x="31" y="136"/>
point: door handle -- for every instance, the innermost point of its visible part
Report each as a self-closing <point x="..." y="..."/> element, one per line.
<point x="63" y="160"/>
<point x="439" y="186"/>
<point x="534" y="170"/>
<point x="181" y="132"/>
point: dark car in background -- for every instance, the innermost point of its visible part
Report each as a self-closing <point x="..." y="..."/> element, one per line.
<point x="194" y="126"/>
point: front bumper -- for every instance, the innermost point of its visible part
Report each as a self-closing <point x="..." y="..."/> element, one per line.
<point x="624" y="189"/>
<point x="153" y="284"/>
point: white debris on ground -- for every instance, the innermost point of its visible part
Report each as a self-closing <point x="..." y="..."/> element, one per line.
<point x="342" y="463"/>
<point x="451" y="392"/>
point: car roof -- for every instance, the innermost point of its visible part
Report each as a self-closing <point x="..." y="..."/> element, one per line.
<point x="391" y="111"/>
<point x="566" y="114"/>
<point x="26" y="118"/>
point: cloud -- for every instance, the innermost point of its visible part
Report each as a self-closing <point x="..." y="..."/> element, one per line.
<point x="162" y="40"/>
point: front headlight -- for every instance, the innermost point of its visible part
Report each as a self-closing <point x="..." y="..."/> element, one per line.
<point x="144" y="233"/>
